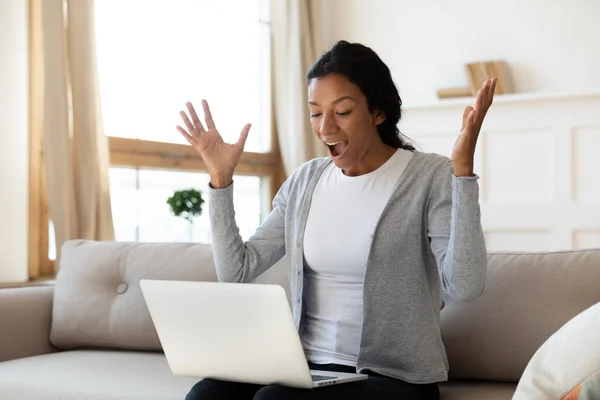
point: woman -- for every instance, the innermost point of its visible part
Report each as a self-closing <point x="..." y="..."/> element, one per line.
<point x="374" y="232"/>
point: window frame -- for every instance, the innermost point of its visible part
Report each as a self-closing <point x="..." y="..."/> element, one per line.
<point x="138" y="154"/>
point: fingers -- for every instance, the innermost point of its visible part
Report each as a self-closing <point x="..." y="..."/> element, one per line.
<point x="465" y="115"/>
<point x="492" y="90"/>
<point x="210" y="124"/>
<point x="195" y="118"/>
<point x="243" y="136"/>
<point x="186" y="135"/>
<point x="487" y="92"/>
<point x="482" y="96"/>
<point x="485" y="97"/>
<point x="187" y="122"/>
<point x="470" y="125"/>
<point x="470" y="119"/>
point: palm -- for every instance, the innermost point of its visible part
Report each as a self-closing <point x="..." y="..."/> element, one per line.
<point x="220" y="158"/>
<point x="216" y="153"/>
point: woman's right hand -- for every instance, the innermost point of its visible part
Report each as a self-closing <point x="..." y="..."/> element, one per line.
<point x="220" y="158"/>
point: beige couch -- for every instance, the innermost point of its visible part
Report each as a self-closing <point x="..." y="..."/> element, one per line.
<point x="91" y="337"/>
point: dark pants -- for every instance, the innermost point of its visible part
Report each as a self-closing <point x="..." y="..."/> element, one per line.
<point x="376" y="387"/>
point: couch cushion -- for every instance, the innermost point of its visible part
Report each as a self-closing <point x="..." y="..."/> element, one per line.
<point x="98" y="301"/>
<point x="528" y="297"/>
<point x="83" y="375"/>
<point x="567" y="363"/>
<point x="126" y="375"/>
<point x="476" y="391"/>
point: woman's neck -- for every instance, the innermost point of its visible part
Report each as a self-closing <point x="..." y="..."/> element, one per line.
<point x="374" y="158"/>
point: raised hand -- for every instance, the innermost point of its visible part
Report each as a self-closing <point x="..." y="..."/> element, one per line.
<point x="220" y="158"/>
<point x="463" y="152"/>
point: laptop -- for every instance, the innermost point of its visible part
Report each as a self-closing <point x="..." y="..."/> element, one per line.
<point x="232" y="332"/>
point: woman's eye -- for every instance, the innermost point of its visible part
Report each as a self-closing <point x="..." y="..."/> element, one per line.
<point x="344" y="113"/>
<point x="315" y="115"/>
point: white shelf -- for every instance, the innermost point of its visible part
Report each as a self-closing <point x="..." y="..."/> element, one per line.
<point x="502" y="99"/>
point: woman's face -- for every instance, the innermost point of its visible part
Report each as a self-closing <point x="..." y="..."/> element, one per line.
<point x="341" y="119"/>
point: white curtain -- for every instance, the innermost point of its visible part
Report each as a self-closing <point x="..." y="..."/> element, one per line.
<point x="76" y="153"/>
<point x="295" y="38"/>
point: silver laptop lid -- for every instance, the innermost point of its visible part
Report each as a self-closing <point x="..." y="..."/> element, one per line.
<point x="227" y="331"/>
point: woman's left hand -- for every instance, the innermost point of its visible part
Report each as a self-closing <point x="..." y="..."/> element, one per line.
<point x="463" y="152"/>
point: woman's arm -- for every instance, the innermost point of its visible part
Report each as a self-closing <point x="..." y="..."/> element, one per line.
<point x="456" y="235"/>
<point x="235" y="260"/>
<point x="454" y="217"/>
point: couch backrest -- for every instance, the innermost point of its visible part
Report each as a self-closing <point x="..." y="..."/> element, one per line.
<point x="528" y="297"/>
<point x="98" y="301"/>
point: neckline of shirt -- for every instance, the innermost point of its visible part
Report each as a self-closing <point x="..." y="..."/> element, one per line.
<point x="368" y="175"/>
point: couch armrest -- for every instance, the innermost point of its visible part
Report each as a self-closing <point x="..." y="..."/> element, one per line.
<point x="25" y="318"/>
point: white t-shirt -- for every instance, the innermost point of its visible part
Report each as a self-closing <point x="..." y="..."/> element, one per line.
<point x="341" y="221"/>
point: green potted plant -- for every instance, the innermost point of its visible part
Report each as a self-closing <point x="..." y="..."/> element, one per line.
<point x="187" y="204"/>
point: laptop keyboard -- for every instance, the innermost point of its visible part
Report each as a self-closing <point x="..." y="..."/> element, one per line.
<point x="318" y="378"/>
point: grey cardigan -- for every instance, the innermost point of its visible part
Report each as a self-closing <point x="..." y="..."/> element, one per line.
<point x="428" y="238"/>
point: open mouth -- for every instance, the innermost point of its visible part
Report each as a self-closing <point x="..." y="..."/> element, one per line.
<point x="336" y="149"/>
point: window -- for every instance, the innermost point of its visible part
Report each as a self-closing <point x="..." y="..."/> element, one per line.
<point x="139" y="205"/>
<point x="178" y="51"/>
<point x="151" y="62"/>
<point x="155" y="56"/>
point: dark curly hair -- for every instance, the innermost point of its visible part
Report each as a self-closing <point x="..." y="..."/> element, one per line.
<point x="363" y="67"/>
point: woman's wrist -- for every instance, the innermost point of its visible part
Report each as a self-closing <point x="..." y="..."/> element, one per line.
<point x="221" y="181"/>
<point x="463" y="169"/>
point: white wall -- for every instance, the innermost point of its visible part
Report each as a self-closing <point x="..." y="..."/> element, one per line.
<point x="552" y="46"/>
<point x="14" y="159"/>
